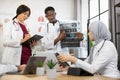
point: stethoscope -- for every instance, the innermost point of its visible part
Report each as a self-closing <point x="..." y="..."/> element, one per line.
<point x="53" y="24"/>
<point x="16" y="25"/>
<point x="97" y="53"/>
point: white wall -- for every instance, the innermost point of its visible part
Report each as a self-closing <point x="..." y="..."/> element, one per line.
<point x="84" y="15"/>
<point x="84" y="18"/>
<point x="65" y="10"/>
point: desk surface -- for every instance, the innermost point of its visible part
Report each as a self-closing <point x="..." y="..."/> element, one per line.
<point x="59" y="77"/>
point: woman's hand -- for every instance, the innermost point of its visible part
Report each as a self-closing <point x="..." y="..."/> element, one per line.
<point x="21" y="67"/>
<point x="63" y="68"/>
<point x="67" y="58"/>
<point x="33" y="43"/>
<point x="27" y="36"/>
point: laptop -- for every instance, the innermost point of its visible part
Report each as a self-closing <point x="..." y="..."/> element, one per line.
<point x="31" y="65"/>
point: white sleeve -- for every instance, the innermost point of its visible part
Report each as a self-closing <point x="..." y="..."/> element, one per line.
<point x="100" y="61"/>
<point x="87" y="59"/>
<point x="7" y="68"/>
<point x="7" y="34"/>
<point x="48" y="39"/>
<point x="48" y="42"/>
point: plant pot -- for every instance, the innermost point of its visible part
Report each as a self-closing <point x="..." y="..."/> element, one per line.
<point x="40" y="71"/>
<point x="51" y="73"/>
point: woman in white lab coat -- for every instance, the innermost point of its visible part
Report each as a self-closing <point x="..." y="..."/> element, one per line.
<point x="103" y="58"/>
<point x="14" y="36"/>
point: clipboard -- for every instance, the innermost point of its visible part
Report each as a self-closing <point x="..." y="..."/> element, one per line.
<point x="35" y="37"/>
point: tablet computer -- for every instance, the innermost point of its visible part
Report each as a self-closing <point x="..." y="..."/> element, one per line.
<point x="31" y="66"/>
<point x="33" y="38"/>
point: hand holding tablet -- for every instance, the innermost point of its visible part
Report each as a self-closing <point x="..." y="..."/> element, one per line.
<point x="32" y="39"/>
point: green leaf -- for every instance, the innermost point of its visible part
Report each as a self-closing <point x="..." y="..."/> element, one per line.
<point x="51" y="64"/>
<point x="40" y="64"/>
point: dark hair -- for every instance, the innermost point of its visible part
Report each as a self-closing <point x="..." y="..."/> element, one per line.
<point x="21" y="9"/>
<point x="49" y="8"/>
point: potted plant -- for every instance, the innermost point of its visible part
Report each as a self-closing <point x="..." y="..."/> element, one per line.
<point x="40" y="68"/>
<point x="51" y="72"/>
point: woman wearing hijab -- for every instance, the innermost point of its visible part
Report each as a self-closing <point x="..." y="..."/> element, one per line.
<point x="15" y="33"/>
<point x="103" y="56"/>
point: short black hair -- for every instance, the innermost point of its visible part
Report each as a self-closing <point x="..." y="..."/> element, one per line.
<point x="49" y="8"/>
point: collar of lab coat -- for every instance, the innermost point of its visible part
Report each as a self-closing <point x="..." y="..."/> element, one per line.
<point x="57" y="23"/>
<point x="57" y="27"/>
<point x="97" y="47"/>
<point x="15" y="20"/>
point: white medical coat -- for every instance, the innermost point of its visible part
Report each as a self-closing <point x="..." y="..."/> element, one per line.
<point x="7" y="68"/>
<point x="50" y="33"/>
<point x="104" y="62"/>
<point x="12" y="37"/>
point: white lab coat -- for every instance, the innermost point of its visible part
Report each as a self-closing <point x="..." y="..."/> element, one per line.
<point x="104" y="62"/>
<point x="7" y="68"/>
<point x="12" y="38"/>
<point x="50" y="33"/>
